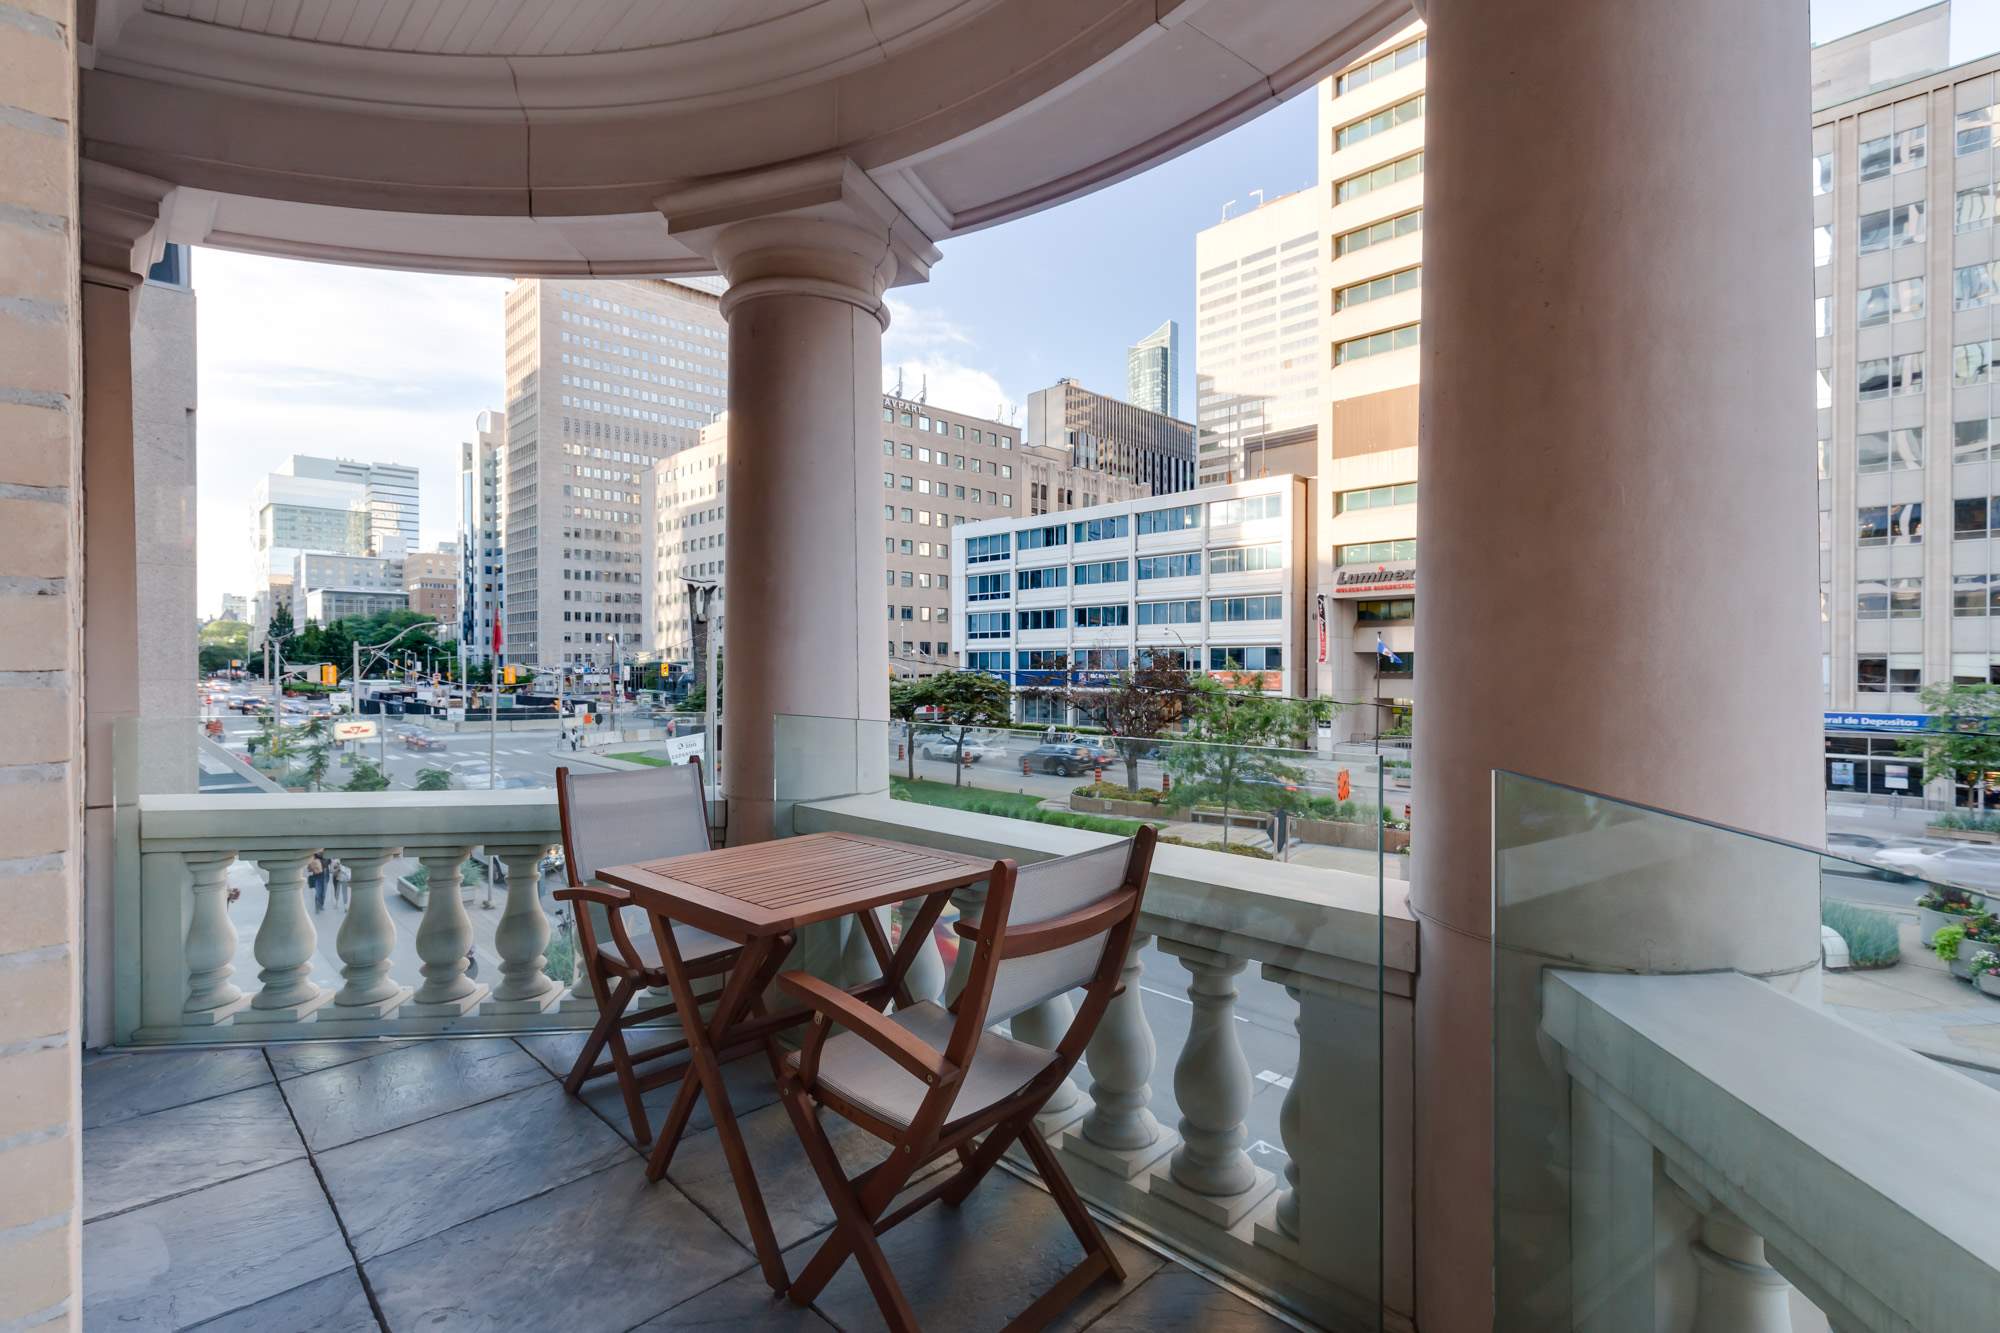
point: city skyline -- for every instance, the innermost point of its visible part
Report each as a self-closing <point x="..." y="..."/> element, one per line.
<point x="334" y="368"/>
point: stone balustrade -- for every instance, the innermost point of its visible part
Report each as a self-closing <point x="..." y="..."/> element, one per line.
<point x="1724" y="1143"/>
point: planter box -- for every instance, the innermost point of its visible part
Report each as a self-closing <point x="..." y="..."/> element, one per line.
<point x="1349" y="833"/>
<point x="1961" y="834"/>
<point x="1990" y="983"/>
<point x="1100" y="805"/>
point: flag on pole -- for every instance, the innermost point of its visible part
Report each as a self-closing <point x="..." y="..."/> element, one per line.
<point x="1382" y="651"/>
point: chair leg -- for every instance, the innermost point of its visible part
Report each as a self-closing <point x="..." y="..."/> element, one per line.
<point x="1073" y="1211"/>
<point x="854" y="1227"/>
<point x="628" y="1084"/>
<point x="978" y="1163"/>
<point x="677" y="1120"/>
<point x="608" y="1012"/>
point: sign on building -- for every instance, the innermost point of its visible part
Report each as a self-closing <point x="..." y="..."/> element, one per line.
<point x="1395" y="580"/>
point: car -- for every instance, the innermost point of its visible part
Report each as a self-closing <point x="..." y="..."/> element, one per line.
<point x="417" y="740"/>
<point x="948" y="749"/>
<point x="1970" y="867"/>
<point x="1854" y="842"/>
<point x="1069" y="760"/>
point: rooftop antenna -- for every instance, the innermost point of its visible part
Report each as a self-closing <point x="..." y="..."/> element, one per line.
<point x="899" y="381"/>
<point x="1225" y="209"/>
<point x="1260" y="197"/>
<point x="924" y="393"/>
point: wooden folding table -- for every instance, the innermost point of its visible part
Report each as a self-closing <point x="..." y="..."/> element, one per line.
<point x="759" y="896"/>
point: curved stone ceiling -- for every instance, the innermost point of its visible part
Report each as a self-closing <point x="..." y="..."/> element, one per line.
<point x="524" y="136"/>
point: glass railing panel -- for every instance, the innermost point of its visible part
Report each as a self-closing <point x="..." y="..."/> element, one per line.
<point x="1230" y="1104"/>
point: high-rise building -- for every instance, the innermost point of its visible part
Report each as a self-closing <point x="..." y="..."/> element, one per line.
<point x="431" y="578"/>
<point x="290" y="514"/>
<point x="604" y="379"/>
<point x="940" y="469"/>
<point x="388" y="489"/>
<point x="1259" y="365"/>
<point x="1906" y="282"/>
<point x="1117" y="438"/>
<point x="325" y="586"/>
<point x="1369" y="281"/>
<point x="1153" y="371"/>
<point x="481" y="534"/>
<point x="235" y="606"/>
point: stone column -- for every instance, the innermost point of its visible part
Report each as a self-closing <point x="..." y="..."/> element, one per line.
<point x="443" y="937"/>
<point x="211" y="941"/>
<point x="809" y="250"/>
<point x="1619" y="525"/>
<point x="1120" y="1133"/>
<point x="1210" y="1174"/>
<point x="286" y="942"/>
<point x="522" y="936"/>
<point x="366" y="941"/>
<point x="1736" y="1289"/>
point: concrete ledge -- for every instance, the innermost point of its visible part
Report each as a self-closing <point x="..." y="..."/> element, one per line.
<point x="1830" y="1143"/>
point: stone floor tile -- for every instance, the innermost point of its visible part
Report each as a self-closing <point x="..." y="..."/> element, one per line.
<point x="175" y="1263"/>
<point x="293" y="1058"/>
<point x="749" y="1082"/>
<point x="399" y="1087"/>
<point x="607" y="1251"/>
<point x="333" y="1304"/>
<point x="139" y="1161"/>
<point x="118" y="1085"/>
<point x="1177" y="1300"/>
<point x="973" y="1268"/>
<point x="792" y="1192"/>
<point x="743" y="1302"/>
<point x="413" y="1182"/>
<point x="557" y="1051"/>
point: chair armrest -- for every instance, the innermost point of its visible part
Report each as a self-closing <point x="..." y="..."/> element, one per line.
<point x="610" y="899"/>
<point x="832" y="1004"/>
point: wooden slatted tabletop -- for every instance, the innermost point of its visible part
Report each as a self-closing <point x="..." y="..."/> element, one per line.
<point x="769" y="888"/>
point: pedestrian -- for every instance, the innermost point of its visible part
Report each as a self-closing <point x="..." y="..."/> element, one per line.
<point x="343" y="881"/>
<point x="316" y="876"/>
<point x="573" y="736"/>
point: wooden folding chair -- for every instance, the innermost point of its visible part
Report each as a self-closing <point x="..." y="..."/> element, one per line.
<point x="930" y="1081"/>
<point x="611" y="819"/>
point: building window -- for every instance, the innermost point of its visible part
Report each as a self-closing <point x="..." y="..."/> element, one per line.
<point x="1362" y="130"/>
<point x="1889" y="450"/>
<point x="1387" y="63"/>
<point x="1970" y="592"/>
<point x="1896" y="375"/>
<point x="1971" y="440"/>
<point x="1890" y="525"/>
<point x="978" y="550"/>
<point x="1891" y="300"/>
<point x="1221" y="513"/>
<point x="1892" y="228"/>
<point x="1975" y="128"/>
<point x="1367" y="182"/>
<point x="1170" y="613"/>
<point x="1360" y="293"/>
<point x="1101" y="529"/>
<point x="1375" y="553"/>
<point x="1103" y="617"/>
<point x="1974" y="208"/>
<point x="996" y="663"/>
<point x="1971" y="363"/>
<point x="1102" y="571"/>
<point x="1170" y="520"/>
<point x="1375" y="497"/>
<point x="1228" y="610"/>
<point x="1969" y="516"/>
<point x="1822" y="173"/>
<point x="1245" y="559"/>
<point x="1034" y="539"/>
<point x="1889" y="599"/>
<point x="1973" y="285"/>
<point x="1033" y="580"/>
<point x="1249" y="658"/>
<point x="1375" y="233"/>
<point x="1055" y="617"/>
<point x="1901" y="673"/>
<point x="1375" y="344"/>
<point x="1182" y="564"/>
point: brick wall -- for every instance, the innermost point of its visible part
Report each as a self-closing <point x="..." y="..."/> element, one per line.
<point x="40" y="599"/>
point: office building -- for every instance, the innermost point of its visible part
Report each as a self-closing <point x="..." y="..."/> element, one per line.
<point x="325" y="572"/>
<point x="324" y="606"/>
<point x="1259" y="363"/>
<point x="1153" y="371"/>
<point x="1214" y="578"/>
<point x="291" y="514"/>
<point x="235" y="606"/>
<point x="1906" y="282"/>
<point x="481" y="534"/>
<point x="688" y="513"/>
<point x="388" y="489"/>
<point x="431" y="579"/>
<point x="604" y="379"/>
<point x="1116" y="438"/>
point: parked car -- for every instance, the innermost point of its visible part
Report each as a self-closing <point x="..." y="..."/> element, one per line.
<point x="416" y="740"/>
<point x="947" y="749"/>
<point x="1973" y="867"/>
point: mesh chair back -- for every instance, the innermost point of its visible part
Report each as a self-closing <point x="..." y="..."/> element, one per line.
<point x="618" y="818"/>
<point x="1043" y="891"/>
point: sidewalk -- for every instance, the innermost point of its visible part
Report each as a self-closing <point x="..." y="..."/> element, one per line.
<point x="1919" y="1004"/>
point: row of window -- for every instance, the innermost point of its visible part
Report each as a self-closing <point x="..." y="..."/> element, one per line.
<point x="1375" y="233"/>
<point x="1388" y="62"/>
<point x="956" y="462"/>
<point x="1376" y="553"/>
<point x="1367" y="182"/>
<point x="922" y="422"/>
<point x="944" y="490"/>
<point x="1890" y="525"/>
<point x="1975" y="128"/>
<point x="916" y="613"/>
<point x="1375" y="497"/>
<point x="1119" y="615"/>
<point x="921" y="580"/>
<point x="1221" y="657"/>
<point x="1389" y="284"/>
<point x="1221" y="513"/>
<point x="1374" y="344"/>
<point x="1360" y="131"/>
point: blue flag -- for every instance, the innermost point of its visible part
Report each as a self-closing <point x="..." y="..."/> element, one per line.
<point x="1382" y="651"/>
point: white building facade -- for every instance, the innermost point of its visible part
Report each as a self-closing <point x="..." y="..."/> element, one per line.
<point x="1213" y="578"/>
<point x="389" y="492"/>
<point x="481" y="534"/>
<point x="688" y="543"/>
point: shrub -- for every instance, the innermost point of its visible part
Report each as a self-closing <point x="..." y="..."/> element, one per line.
<point x="1871" y="936"/>
<point x="1112" y="791"/>
<point x="1944" y="898"/>
<point x="1229" y="848"/>
<point x="1969" y="821"/>
<point x="1945" y="943"/>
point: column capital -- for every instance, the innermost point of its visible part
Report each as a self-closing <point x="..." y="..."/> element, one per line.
<point x="125" y="216"/>
<point x="819" y="227"/>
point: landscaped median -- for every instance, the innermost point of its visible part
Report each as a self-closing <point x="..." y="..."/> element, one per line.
<point x="1018" y="805"/>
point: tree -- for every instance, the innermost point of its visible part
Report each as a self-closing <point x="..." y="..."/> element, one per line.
<point x="906" y="698"/>
<point x="962" y="700"/>
<point x="1231" y="759"/>
<point x="1962" y="738"/>
<point x="368" y="776"/>
<point x="433" y="779"/>
<point x="319" y="754"/>
<point x="1137" y="708"/>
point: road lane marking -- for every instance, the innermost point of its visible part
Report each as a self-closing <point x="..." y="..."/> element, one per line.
<point x="1274" y="1078"/>
<point x="1169" y="995"/>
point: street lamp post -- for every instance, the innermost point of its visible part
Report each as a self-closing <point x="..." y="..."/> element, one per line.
<point x="701" y="609"/>
<point x="377" y="654"/>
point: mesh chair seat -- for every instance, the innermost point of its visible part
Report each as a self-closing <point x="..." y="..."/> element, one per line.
<point x="694" y="944"/>
<point x="852" y="1069"/>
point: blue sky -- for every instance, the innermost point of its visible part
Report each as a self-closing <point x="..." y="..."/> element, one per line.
<point x="396" y="366"/>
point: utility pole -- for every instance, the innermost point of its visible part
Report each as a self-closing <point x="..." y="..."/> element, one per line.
<point x="617" y="680"/>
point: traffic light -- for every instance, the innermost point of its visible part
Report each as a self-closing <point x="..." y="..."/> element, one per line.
<point x="508" y="675"/>
<point x="329" y="674"/>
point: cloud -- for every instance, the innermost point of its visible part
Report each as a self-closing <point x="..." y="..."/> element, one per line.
<point x="939" y="356"/>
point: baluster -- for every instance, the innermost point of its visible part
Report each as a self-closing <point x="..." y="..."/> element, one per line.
<point x="857" y="956"/>
<point x="211" y="942"/>
<point x="925" y="978"/>
<point x="522" y="937"/>
<point x="1044" y="1025"/>
<point x="971" y="902"/>
<point x="1120" y="1133"/>
<point x="285" y="944"/>
<point x="581" y="999"/>
<point x="366" y="941"/>
<point x="1289" y="1132"/>
<point x="1735" y="1286"/>
<point x="1209" y="1173"/>
<point x="443" y="938"/>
